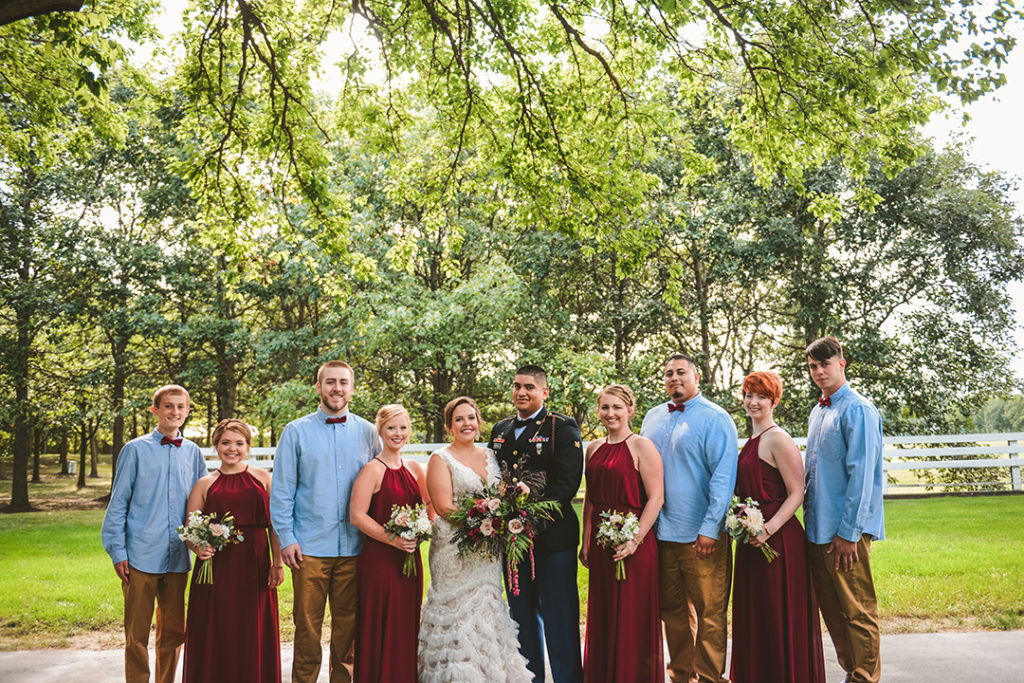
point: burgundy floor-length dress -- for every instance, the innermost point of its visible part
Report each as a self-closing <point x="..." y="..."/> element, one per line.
<point x="388" y="614"/>
<point x="776" y="634"/>
<point x="231" y="630"/>
<point x="623" y="624"/>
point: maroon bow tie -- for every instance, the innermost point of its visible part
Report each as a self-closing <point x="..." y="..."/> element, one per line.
<point x="825" y="401"/>
<point x="168" y="440"/>
<point x="337" y="420"/>
<point x="673" y="407"/>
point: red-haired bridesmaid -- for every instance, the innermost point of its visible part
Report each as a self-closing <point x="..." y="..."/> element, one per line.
<point x="776" y="635"/>
<point x="388" y="612"/>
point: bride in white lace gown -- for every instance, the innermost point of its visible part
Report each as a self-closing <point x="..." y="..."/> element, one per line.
<point x="466" y="633"/>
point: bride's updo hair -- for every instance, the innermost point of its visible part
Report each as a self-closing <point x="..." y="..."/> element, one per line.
<point x="449" y="410"/>
<point x="387" y="413"/>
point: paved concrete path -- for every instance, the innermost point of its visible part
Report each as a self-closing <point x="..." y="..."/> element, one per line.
<point x="917" y="657"/>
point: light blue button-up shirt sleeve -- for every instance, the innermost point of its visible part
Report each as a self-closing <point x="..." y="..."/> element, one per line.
<point x="862" y="430"/>
<point x="147" y="504"/>
<point x="721" y="450"/>
<point x="114" y="532"/>
<point x="376" y="444"/>
<point x="199" y="468"/>
<point x="282" y="492"/>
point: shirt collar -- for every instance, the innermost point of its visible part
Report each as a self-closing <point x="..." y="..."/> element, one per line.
<point x="530" y="417"/>
<point x="839" y="393"/>
<point x="686" y="404"/>
<point x="322" y="416"/>
<point x="158" y="436"/>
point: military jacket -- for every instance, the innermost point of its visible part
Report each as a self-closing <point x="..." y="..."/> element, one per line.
<point x="551" y="444"/>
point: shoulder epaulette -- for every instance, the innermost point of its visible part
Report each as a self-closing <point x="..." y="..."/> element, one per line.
<point x="504" y="420"/>
<point x="559" y="416"/>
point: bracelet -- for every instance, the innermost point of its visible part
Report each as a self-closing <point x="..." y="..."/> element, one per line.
<point x="278" y="566"/>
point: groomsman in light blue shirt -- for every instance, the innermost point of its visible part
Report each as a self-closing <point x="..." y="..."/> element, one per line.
<point x="316" y="462"/>
<point x="843" y="510"/>
<point x="155" y="473"/>
<point x="697" y="442"/>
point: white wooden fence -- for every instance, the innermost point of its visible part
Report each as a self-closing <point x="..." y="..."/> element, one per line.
<point x="901" y="453"/>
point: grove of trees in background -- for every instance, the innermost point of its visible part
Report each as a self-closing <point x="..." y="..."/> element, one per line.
<point x="227" y="228"/>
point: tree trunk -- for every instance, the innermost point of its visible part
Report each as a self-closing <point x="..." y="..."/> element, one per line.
<point x="83" y="447"/>
<point x="704" y="315"/>
<point x="118" y="348"/>
<point x="441" y="382"/>
<point x="227" y="382"/>
<point x="618" y="328"/>
<point x="209" y="421"/>
<point x="62" y="451"/>
<point x="40" y="435"/>
<point x="20" y="357"/>
<point x="94" y="462"/>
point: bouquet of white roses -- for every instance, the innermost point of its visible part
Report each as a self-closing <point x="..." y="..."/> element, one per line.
<point x="744" y="522"/>
<point x="412" y="524"/>
<point x="200" y="529"/>
<point x="616" y="529"/>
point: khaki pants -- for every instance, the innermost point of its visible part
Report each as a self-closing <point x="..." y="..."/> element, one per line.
<point x="694" y="596"/>
<point x="318" y="580"/>
<point x="850" y="610"/>
<point x="142" y="589"/>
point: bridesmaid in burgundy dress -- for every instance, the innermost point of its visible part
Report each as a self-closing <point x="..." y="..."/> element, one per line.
<point x="388" y="613"/>
<point x="776" y="634"/>
<point x="624" y="474"/>
<point x="241" y="603"/>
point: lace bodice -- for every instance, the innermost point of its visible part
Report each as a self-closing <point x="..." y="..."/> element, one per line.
<point x="464" y="479"/>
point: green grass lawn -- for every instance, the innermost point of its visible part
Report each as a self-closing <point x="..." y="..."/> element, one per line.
<point x="948" y="563"/>
<point x="957" y="562"/>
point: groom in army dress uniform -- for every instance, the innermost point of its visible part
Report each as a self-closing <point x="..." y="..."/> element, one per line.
<point x="548" y="605"/>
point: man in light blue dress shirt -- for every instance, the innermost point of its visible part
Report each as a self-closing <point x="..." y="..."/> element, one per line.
<point x="316" y="462"/>
<point x="843" y="510"/>
<point x="697" y="442"/>
<point x="155" y="473"/>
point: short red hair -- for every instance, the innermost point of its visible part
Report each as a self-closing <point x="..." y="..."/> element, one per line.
<point x="765" y="383"/>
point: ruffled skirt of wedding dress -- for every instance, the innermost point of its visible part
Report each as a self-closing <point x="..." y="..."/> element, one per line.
<point x="466" y="633"/>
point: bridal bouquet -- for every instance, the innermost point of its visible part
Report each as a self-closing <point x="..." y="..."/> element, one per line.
<point x="502" y="519"/>
<point x="200" y="529"/>
<point x="412" y="524"/>
<point x="616" y="529"/>
<point x="744" y="522"/>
